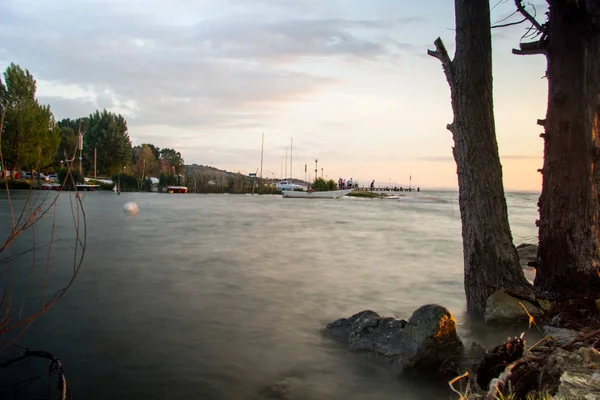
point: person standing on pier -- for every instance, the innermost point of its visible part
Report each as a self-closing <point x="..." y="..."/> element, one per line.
<point x="372" y="185"/>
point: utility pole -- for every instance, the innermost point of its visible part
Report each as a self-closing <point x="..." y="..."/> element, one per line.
<point x="321" y="172"/>
<point x="95" y="163"/>
<point x="316" y="168"/>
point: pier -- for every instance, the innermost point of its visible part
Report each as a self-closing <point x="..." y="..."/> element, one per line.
<point x="390" y="189"/>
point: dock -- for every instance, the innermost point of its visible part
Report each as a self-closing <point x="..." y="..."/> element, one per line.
<point x="390" y="189"/>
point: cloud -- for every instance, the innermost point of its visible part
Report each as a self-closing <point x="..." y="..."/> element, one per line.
<point x="194" y="73"/>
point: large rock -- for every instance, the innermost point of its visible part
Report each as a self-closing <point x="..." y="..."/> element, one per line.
<point x="501" y="307"/>
<point x="427" y="340"/>
<point x="562" y="335"/>
<point x="527" y="253"/>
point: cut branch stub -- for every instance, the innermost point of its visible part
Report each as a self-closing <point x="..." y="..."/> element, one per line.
<point x="441" y="54"/>
<point x="531" y="48"/>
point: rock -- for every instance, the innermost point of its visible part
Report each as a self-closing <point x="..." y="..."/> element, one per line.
<point x="562" y="335"/>
<point x="571" y="376"/>
<point x="501" y="307"/>
<point x="428" y="339"/>
<point x="473" y="353"/>
<point x="527" y="253"/>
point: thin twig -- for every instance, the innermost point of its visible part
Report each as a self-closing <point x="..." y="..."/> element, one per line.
<point x="529" y="17"/>
<point x="456" y="379"/>
<point x="509" y="24"/>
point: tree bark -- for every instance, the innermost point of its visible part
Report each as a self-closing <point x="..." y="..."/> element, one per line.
<point x="490" y="258"/>
<point x="569" y="228"/>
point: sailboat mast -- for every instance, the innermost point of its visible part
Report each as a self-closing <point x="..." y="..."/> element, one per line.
<point x="285" y="164"/>
<point x="291" y="159"/>
<point x="262" y="146"/>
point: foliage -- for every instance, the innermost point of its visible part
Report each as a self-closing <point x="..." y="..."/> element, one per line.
<point x="126" y="182"/>
<point x="155" y="150"/>
<point x="167" y="179"/>
<point x="365" y="193"/>
<point x="143" y="160"/>
<point x="107" y="132"/>
<point x="146" y="185"/>
<point x="321" y="185"/>
<point x="68" y="139"/>
<point x="74" y="175"/>
<point x="172" y="160"/>
<point x="30" y="134"/>
<point x="67" y="146"/>
<point x="16" y="184"/>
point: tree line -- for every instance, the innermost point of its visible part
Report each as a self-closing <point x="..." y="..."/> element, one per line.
<point x="32" y="139"/>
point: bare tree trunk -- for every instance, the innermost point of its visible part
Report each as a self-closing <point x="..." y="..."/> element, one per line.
<point x="490" y="258"/>
<point x="569" y="229"/>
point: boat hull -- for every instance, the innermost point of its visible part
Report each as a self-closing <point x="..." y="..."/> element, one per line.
<point x="177" y="189"/>
<point x="333" y="194"/>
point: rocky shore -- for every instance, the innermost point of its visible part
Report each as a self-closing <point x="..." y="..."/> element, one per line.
<point x="564" y="364"/>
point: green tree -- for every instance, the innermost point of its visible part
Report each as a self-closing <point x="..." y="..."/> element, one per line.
<point x="68" y="144"/>
<point x="155" y="150"/>
<point x="30" y="135"/>
<point x="143" y="160"/>
<point x="173" y="160"/>
<point x="107" y="132"/>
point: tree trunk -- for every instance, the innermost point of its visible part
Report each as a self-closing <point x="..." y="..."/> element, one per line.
<point x="569" y="229"/>
<point x="490" y="258"/>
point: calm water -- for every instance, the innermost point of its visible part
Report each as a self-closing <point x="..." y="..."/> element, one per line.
<point x="218" y="296"/>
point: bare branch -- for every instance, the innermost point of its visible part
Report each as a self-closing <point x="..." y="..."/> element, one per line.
<point x="529" y="17"/>
<point x="441" y="54"/>
<point x="509" y="24"/>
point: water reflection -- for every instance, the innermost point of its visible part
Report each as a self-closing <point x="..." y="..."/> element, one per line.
<point x="216" y="297"/>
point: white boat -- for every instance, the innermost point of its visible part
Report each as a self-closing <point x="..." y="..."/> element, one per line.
<point x="331" y="194"/>
<point x="288" y="185"/>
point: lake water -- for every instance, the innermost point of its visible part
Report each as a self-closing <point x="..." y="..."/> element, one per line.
<point x="218" y="296"/>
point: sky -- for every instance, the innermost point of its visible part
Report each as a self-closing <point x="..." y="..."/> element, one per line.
<point x="348" y="81"/>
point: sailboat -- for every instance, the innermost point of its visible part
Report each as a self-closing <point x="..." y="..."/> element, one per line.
<point x="287" y="185"/>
